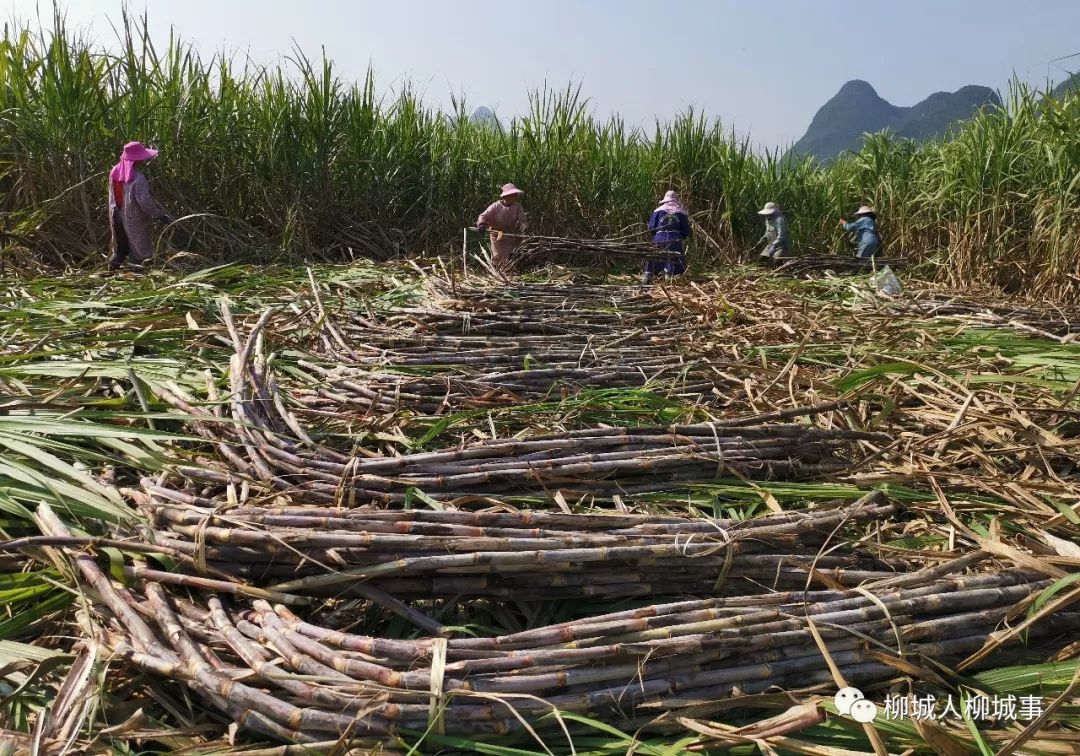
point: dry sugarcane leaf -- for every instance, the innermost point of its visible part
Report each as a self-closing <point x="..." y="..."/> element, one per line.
<point x="1060" y="545"/>
<point x="799" y="717"/>
<point x="726" y="734"/>
<point x="838" y="678"/>
<point x="995" y="547"/>
<point x="74" y="700"/>
<point x="136" y="722"/>
<point x="561" y="501"/>
<point x="907" y="667"/>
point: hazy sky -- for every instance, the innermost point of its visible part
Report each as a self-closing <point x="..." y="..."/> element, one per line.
<point x="763" y="66"/>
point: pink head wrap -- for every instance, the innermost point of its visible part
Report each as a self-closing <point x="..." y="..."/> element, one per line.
<point x="124" y="171"/>
<point x="671" y="203"/>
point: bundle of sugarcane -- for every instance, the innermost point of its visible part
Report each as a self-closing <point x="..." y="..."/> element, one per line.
<point x="821" y="264"/>
<point x="294" y="547"/>
<point x="277" y="674"/>
<point x="516" y="296"/>
<point x="636" y="347"/>
<point x="464" y="309"/>
<point x="634" y="247"/>
<point x="594" y="462"/>
<point x="350" y="389"/>
<point x="479" y="338"/>
<point x="265" y="441"/>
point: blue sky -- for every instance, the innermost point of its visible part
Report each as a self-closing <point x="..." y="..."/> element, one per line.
<point x="764" y="67"/>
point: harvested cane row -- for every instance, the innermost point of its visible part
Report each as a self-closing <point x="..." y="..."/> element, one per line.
<point x="343" y="388"/>
<point x="281" y="676"/>
<point x="810" y="265"/>
<point x="267" y="442"/>
<point x="547" y="334"/>
<point x="475" y="348"/>
<point x="595" y="462"/>
<point x="319" y="551"/>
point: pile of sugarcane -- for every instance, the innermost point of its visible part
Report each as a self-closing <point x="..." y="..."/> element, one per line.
<point x="646" y="348"/>
<point x="803" y="266"/>
<point x="467" y="326"/>
<point x="634" y="247"/>
<point x="294" y="547"/>
<point x="282" y="676"/>
<point x="612" y="300"/>
<point x="266" y="442"/>
<point x="477" y="347"/>
<point x="338" y="389"/>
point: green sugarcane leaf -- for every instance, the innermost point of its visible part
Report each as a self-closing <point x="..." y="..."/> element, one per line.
<point x="413" y="492"/>
<point x="116" y="563"/>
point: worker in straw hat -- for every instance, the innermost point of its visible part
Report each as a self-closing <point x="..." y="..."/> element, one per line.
<point x="132" y="208"/>
<point x="504" y="216"/>
<point x="671" y="225"/>
<point x="776" y="232"/>
<point x="867" y="236"/>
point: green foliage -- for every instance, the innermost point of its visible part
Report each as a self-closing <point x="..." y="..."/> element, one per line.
<point x="291" y="160"/>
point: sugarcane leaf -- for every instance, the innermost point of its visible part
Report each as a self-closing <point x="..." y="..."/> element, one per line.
<point x="1050" y="591"/>
<point x="40" y="669"/>
<point x="980" y="742"/>
<point x="628" y="741"/>
<point x="859" y="377"/>
<point x="18" y="622"/>
<point x="116" y="563"/>
<point x="468" y="745"/>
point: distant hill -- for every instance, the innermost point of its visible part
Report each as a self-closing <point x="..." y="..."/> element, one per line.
<point x="1071" y="84"/>
<point x="857" y="109"/>
<point x="484" y="116"/>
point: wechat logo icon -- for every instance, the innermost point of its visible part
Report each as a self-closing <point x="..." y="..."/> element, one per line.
<point x="851" y="702"/>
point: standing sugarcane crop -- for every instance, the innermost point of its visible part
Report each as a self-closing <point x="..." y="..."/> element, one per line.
<point x="132" y="207"/>
<point x="504" y="216"/>
<point x="867" y="236"/>
<point x="776" y="236"/>
<point x="671" y="223"/>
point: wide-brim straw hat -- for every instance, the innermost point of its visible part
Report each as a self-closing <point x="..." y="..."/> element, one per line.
<point x="865" y="210"/>
<point x="138" y="151"/>
<point x="769" y="209"/>
<point x="509" y="190"/>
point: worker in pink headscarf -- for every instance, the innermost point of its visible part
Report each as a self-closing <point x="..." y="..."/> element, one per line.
<point x="132" y="208"/>
<point x="504" y="216"/>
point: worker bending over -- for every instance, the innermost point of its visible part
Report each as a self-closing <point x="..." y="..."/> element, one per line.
<point x="504" y="216"/>
<point x="867" y="236"/>
<point x="776" y="235"/>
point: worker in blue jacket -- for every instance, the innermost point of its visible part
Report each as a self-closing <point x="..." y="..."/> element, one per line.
<point x="671" y="223"/>
<point x="867" y="236"/>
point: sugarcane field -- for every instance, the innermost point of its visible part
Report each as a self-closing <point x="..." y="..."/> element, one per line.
<point x="335" y="422"/>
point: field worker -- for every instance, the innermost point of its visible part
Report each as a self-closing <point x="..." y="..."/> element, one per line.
<point x="504" y="216"/>
<point x="776" y="232"/>
<point x="671" y="223"/>
<point x="867" y="237"/>
<point x="132" y="207"/>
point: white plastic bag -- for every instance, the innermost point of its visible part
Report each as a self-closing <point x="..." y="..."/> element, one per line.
<point x="886" y="282"/>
